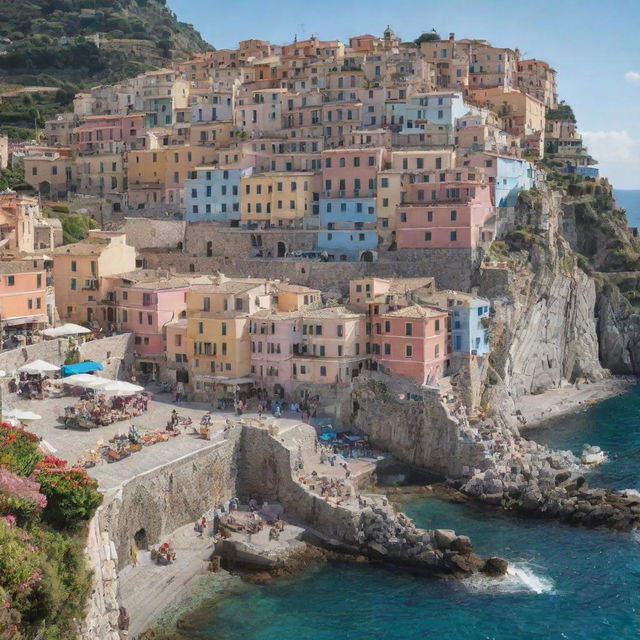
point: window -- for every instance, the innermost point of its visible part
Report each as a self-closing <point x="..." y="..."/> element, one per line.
<point x="384" y="183"/>
<point x="453" y="236"/>
<point x="454" y="216"/>
<point x="356" y="161"/>
<point x="408" y="329"/>
<point x="387" y="349"/>
<point x="340" y="350"/>
<point x="323" y="371"/>
<point x="30" y="303"/>
<point x="436" y="351"/>
<point x="409" y="351"/>
<point x="74" y="283"/>
<point x="340" y="331"/>
<point x="224" y="348"/>
<point x="200" y="327"/>
<point x="372" y="161"/>
<point x="322" y="352"/>
<point x="74" y="265"/>
<point x="327" y="163"/>
<point x="11" y="280"/>
<point x="387" y="326"/>
<point x="403" y="217"/>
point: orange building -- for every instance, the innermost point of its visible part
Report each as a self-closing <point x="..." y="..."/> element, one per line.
<point x="23" y="296"/>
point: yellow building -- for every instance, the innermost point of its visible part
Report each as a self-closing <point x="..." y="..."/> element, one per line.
<point x="279" y="198"/>
<point x="167" y="168"/>
<point x="217" y="335"/>
<point x="292" y="297"/>
<point x="78" y="270"/>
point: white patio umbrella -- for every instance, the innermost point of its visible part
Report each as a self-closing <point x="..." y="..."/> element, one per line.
<point x="84" y="380"/>
<point x="118" y="388"/>
<point x="19" y="414"/>
<point x="39" y="366"/>
<point x="68" y="329"/>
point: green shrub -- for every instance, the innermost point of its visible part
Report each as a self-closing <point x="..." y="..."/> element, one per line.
<point x="71" y="495"/>
<point x="19" y="452"/>
<point x="60" y="208"/>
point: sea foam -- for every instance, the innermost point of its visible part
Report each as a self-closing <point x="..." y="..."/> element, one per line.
<point x="520" y="578"/>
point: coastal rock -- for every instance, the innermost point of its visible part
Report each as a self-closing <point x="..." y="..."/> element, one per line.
<point x="444" y="538"/>
<point x="495" y="567"/>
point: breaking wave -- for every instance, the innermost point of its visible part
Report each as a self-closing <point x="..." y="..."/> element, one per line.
<point x="520" y="578"/>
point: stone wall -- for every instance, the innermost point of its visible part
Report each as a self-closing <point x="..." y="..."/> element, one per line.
<point x="113" y="352"/>
<point x="103" y="607"/>
<point x="158" y="234"/>
<point x="452" y="270"/>
<point x="165" y="499"/>
<point x="243" y="243"/>
<point x="419" y="432"/>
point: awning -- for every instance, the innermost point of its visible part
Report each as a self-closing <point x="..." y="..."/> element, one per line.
<point x="81" y="367"/>
<point x="16" y="322"/>
<point x="68" y="329"/>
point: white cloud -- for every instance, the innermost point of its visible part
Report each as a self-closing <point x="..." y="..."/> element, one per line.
<point x="618" y="154"/>
<point x="632" y="76"/>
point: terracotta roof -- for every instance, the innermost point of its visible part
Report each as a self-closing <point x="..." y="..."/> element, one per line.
<point x="332" y="312"/>
<point x="18" y="266"/>
<point x="294" y="288"/>
<point x="87" y="247"/>
<point x="413" y="311"/>
<point x="230" y="286"/>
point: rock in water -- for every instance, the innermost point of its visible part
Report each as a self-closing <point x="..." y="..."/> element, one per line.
<point x="495" y="567"/>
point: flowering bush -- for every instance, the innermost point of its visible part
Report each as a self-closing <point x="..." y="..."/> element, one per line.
<point x="18" y="449"/>
<point x="44" y="580"/>
<point x="71" y="495"/>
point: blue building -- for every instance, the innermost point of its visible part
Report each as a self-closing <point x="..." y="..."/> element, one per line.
<point x="513" y="175"/>
<point x="214" y="195"/>
<point x="348" y="228"/>
<point x="469" y="320"/>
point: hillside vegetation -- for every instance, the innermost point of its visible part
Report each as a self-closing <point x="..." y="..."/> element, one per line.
<point x="73" y="44"/>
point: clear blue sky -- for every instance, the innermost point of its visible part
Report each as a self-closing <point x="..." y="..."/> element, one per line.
<point x="593" y="44"/>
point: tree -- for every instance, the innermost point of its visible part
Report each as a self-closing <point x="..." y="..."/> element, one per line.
<point x="429" y="36"/>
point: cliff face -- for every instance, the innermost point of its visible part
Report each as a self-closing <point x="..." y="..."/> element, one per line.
<point x="544" y="330"/>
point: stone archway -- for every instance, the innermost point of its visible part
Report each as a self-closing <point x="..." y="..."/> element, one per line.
<point x="281" y="249"/>
<point x="44" y="188"/>
<point x="366" y="256"/>
<point x="140" y="539"/>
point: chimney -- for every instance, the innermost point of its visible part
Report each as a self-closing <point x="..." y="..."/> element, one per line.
<point x="452" y="37"/>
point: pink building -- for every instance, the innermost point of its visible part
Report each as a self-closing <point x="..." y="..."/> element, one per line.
<point x="351" y="173"/>
<point x="332" y="347"/>
<point x="275" y="337"/>
<point x="450" y="210"/>
<point x="109" y="134"/>
<point x="411" y="342"/>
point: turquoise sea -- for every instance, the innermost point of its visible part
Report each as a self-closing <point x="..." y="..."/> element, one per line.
<point x="629" y="199"/>
<point x="569" y="583"/>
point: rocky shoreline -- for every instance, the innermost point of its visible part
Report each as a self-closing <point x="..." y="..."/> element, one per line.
<point x="528" y="477"/>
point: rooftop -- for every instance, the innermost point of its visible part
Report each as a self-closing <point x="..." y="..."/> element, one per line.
<point x="414" y="311"/>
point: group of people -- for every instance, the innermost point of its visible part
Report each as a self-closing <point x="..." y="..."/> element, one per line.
<point x="30" y="387"/>
<point x="103" y="411"/>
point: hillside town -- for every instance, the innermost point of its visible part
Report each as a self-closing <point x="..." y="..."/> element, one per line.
<point x="401" y="161"/>
<point x="305" y="274"/>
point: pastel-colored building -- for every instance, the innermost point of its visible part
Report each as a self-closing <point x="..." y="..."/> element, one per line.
<point x="79" y="269"/>
<point x="18" y="219"/>
<point x="332" y="349"/>
<point x="384" y="293"/>
<point x="411" y="342"/>
<point x="448" y="214"/>
<point x="218" y="342"/>
<point x="469" y="320"/>
<point x="109" y="133"/>
<point x="293" y="297"/>
<point x="214" y="194"/>
<point x="351" y="172"/>
<point x="277" y="198"/>
<point x="275" y="337"/>
<point x="23" y="296"/>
